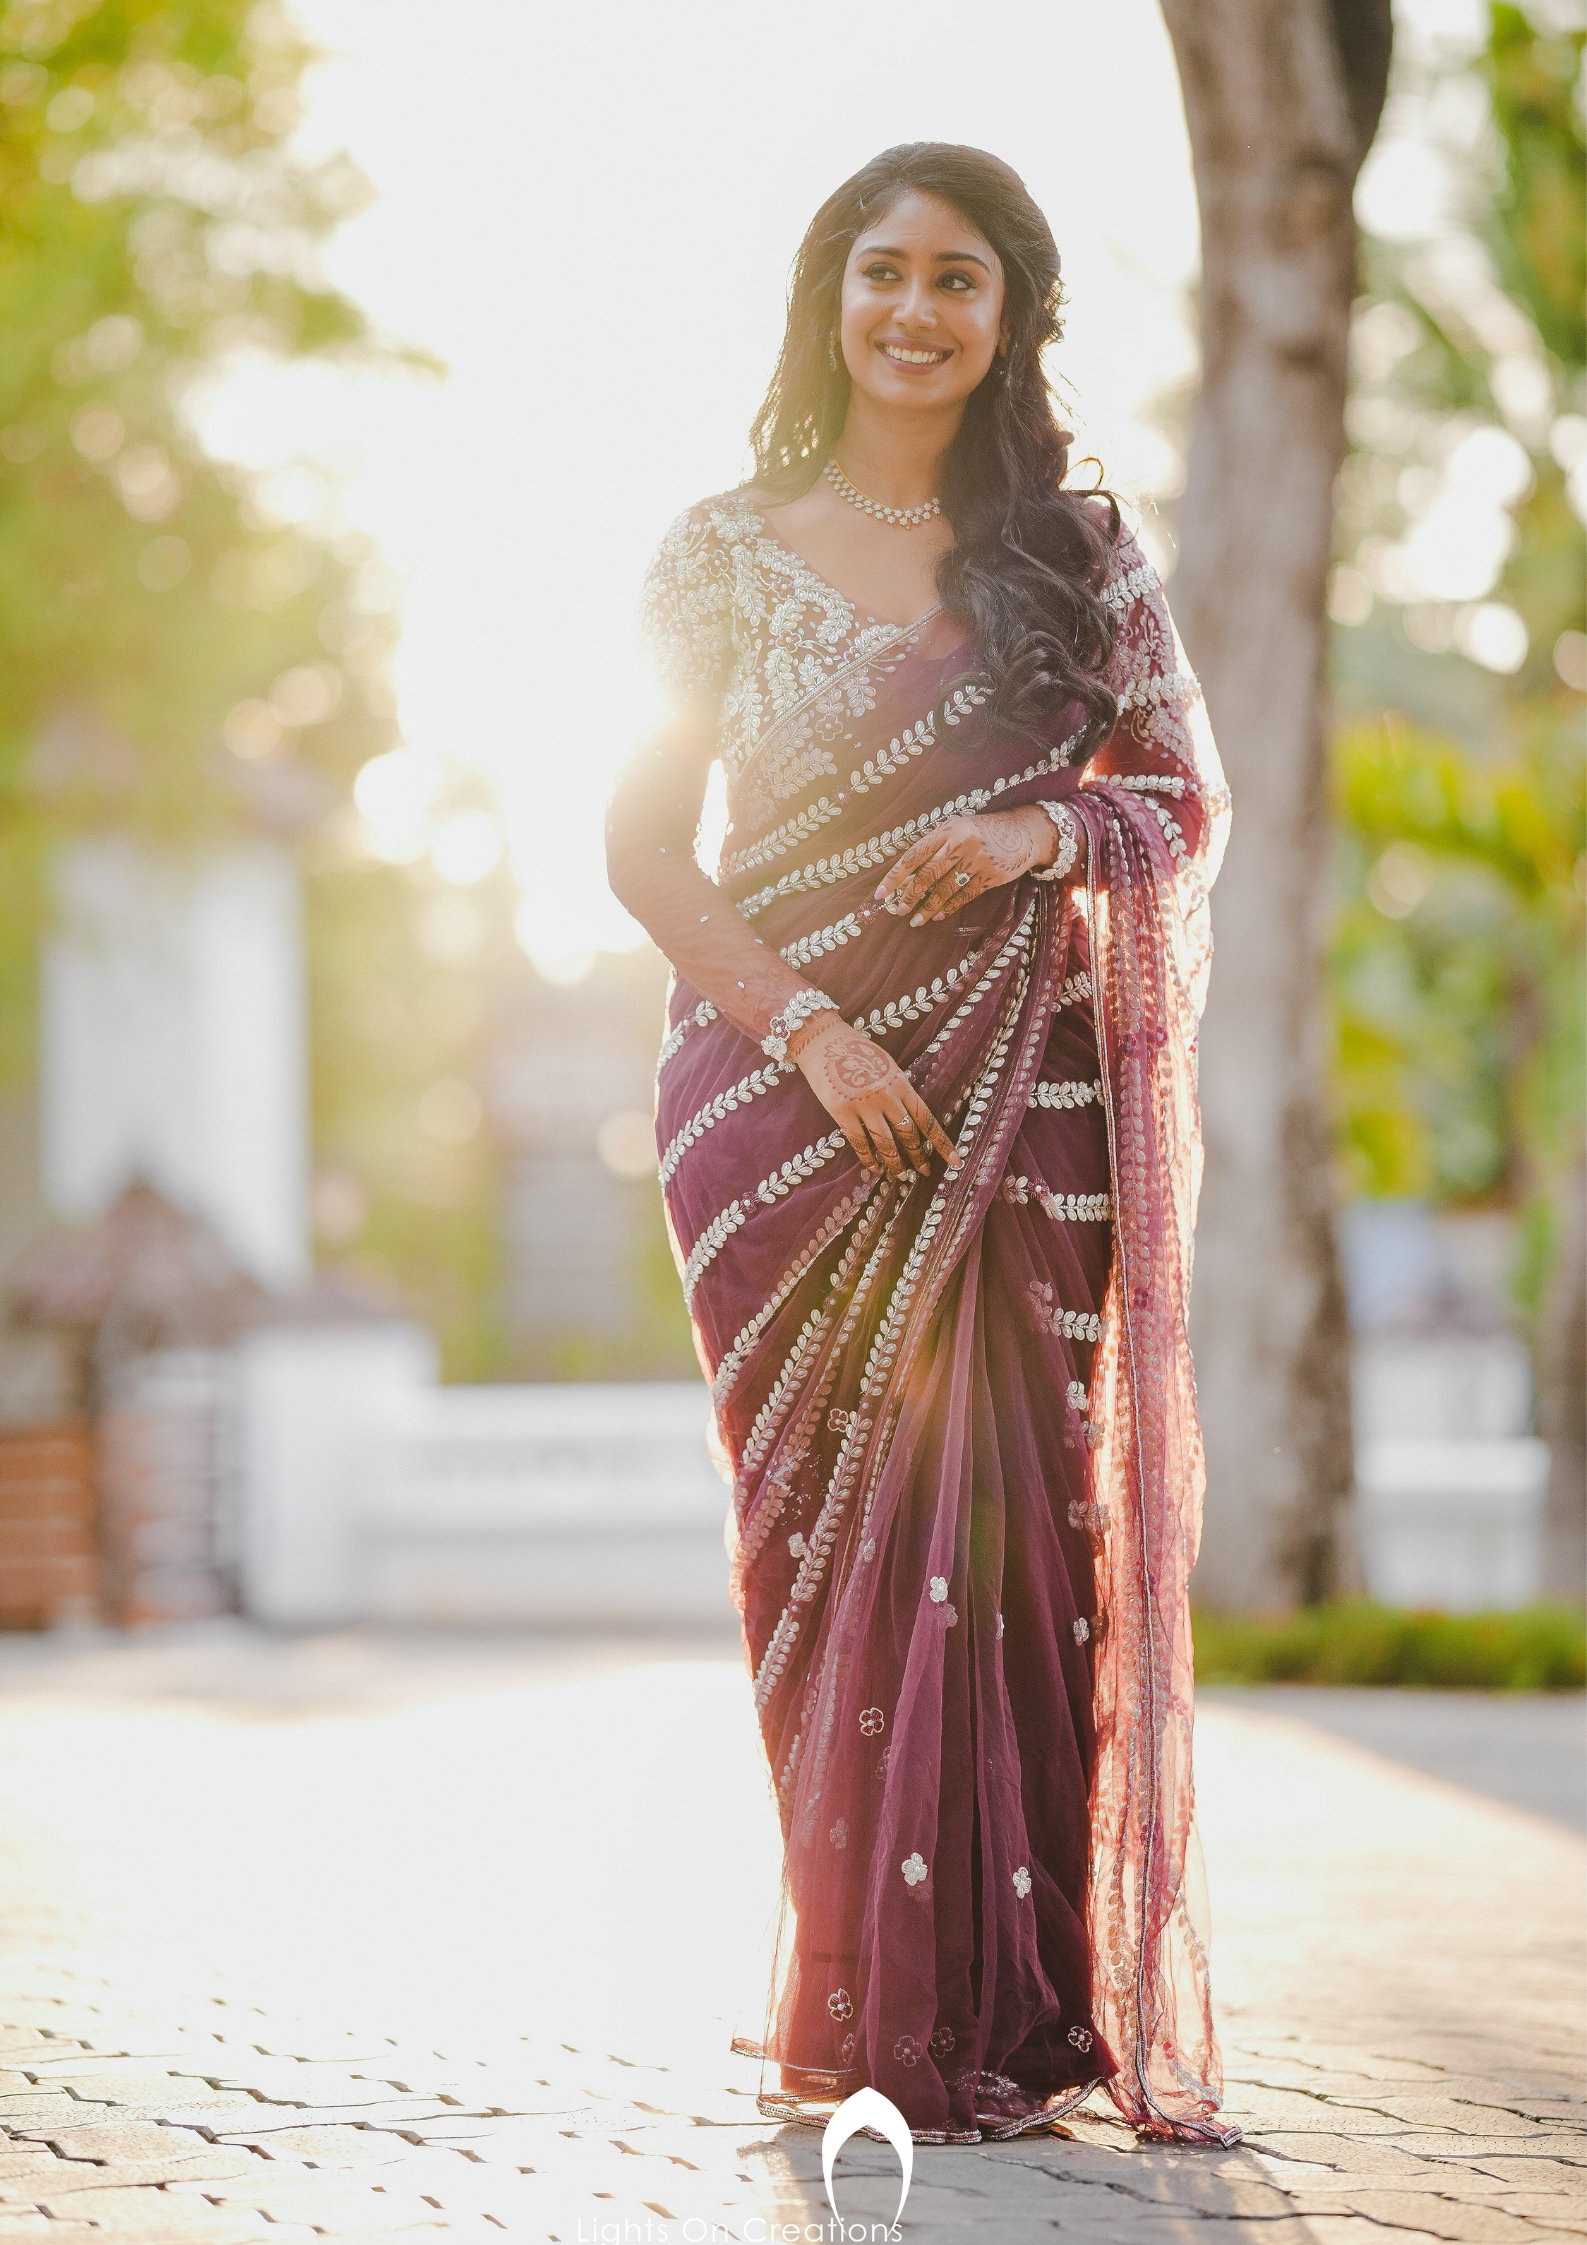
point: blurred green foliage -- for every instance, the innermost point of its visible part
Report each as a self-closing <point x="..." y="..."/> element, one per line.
<point x="410" y="1211"/>
<point x="1540" y="1649"/>
<point x="1456" y="968"/>
<point x="1534" y="226"/>
<point x="150" y="224"/>
<point x="184" y="650"/>
<point x="1457" y="959"/>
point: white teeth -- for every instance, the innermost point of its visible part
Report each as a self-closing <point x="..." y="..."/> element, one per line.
<point x="914" y="358"/>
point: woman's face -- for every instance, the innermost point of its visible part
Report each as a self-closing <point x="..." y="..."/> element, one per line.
<point x="922" y="306"/>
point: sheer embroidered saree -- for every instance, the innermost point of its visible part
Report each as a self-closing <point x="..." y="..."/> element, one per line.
<point x="959" y="1412"/>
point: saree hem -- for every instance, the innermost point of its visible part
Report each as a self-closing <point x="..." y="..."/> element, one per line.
<point x="993" y="2127"/>
<point x="814" y="2106"/>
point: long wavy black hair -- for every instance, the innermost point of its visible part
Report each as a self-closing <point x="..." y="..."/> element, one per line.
<point x="1029" y="557"/>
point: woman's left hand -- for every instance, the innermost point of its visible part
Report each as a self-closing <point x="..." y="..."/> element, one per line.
<point x="964" y="857"/>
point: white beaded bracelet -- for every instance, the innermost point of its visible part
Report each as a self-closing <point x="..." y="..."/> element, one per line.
<point x="1068" y="842"/>
<point x="782" y="1025"/>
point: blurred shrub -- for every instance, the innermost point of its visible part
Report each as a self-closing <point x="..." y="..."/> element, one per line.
<point x="1457" y="964"/>
<point x="1540" y="1649"/>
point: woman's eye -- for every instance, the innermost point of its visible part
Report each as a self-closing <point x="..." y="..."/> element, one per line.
<point x="881" y="273"/>
<point x="957" y="281"/>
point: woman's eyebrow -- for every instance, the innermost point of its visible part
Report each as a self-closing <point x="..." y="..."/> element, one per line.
<point x="941" y="256"/>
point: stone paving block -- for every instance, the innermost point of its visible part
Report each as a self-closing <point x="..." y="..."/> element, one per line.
<point x="1291" y="2156"/>
<point x="1299" y="2111"/>
<point x="202" y="2122"/>
<point x="42" y="2105"/>
<point x="1329" y="2071"/>
<point x="314" y="2198"/>
<point x="461" y="2186"/>
<point x="1213" y="2182"/>
<point x="288" y="2080"/>
<point x="116" y="2139"/>
<point x="160" y="2218"/>
<point x="685" y="2143"/>
<point x="19" y="2043"/>
<point x="1542" y="2173"/>
<point x="1469" y="2151"/>
<point x="29" y="2222"/>
<point x="436" y="2225"/>
<point x="1019" y="2229"/>
<point x="113" y="2053"/>
<point x="1456" y="2116"/>
<point x="1347" y="2229"/>
<point x="598" y="2166"/>
<point x="336" y="2145"/>
<point x="1443" y="2216"/>
<point x="19" y="2165"/>
<point x="399" y="2117"/>
<point x="1555" y="2210"/>
<point x="149" y="2091"/>
<point x="573" y="2121"/>
<point x="1494" y="2059"/>
<point x="210" y="2166"/>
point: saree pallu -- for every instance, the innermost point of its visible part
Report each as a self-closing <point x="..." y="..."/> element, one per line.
<point x="959" y="1410"/>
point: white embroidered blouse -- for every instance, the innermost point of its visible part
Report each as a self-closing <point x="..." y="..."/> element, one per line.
<point x="732" y="616"/>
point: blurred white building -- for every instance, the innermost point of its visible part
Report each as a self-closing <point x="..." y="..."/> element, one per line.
<point x="1451" y="1482"/>
<point x="173" y="1043"/>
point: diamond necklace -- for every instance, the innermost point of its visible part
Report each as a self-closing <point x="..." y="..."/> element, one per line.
<point x="902" y="518"/>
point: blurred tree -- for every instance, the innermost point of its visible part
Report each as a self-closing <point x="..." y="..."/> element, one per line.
<point x="1282" y="98"/>
<point x="171" y="639"/>
<point x="184" y="648"/>
<point x="1462" y="659"/>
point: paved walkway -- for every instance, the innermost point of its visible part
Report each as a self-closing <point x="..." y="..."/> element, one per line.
<point x="372" y="1938"/>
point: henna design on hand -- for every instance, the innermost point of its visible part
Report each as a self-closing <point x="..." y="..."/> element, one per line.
<point x="859" y="1066"/>
<point x="1008" y="849"/>
<point x="872" y="1100"/>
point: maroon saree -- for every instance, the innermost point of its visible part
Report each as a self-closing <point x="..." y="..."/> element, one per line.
<point x="959" y="1411"/>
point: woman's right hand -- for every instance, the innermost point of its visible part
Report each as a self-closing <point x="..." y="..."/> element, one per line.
<point x="870" y="1098"/>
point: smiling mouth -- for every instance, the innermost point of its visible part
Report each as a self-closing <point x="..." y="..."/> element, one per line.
<point x="902" y="354"/>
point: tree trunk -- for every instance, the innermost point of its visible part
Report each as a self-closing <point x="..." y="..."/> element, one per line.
<point x="1561" y="1407"/>
<point x="1281" y="98"/>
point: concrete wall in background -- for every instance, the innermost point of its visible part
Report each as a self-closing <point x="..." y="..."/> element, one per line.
<point x="370" y="1493"/>
<point x="173" y="1043"/>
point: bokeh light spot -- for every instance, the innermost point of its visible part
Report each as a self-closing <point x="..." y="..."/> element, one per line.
<point x="626" y="1143"/>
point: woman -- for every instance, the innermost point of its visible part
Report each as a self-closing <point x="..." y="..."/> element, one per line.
<point x="928" y="1142"/>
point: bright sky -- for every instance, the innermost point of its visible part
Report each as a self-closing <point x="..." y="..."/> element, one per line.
<point x="589" y="217"/>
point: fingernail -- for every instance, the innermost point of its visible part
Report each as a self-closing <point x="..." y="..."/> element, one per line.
<point x="917" y="919"/>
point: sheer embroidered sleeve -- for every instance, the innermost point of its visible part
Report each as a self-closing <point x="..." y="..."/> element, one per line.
<point x="653" y="818"/>
<point x="686" y="611"/>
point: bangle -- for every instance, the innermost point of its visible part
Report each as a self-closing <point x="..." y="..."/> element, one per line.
<point x="1068" y="842"/>
<point x="782" y="1025"/>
